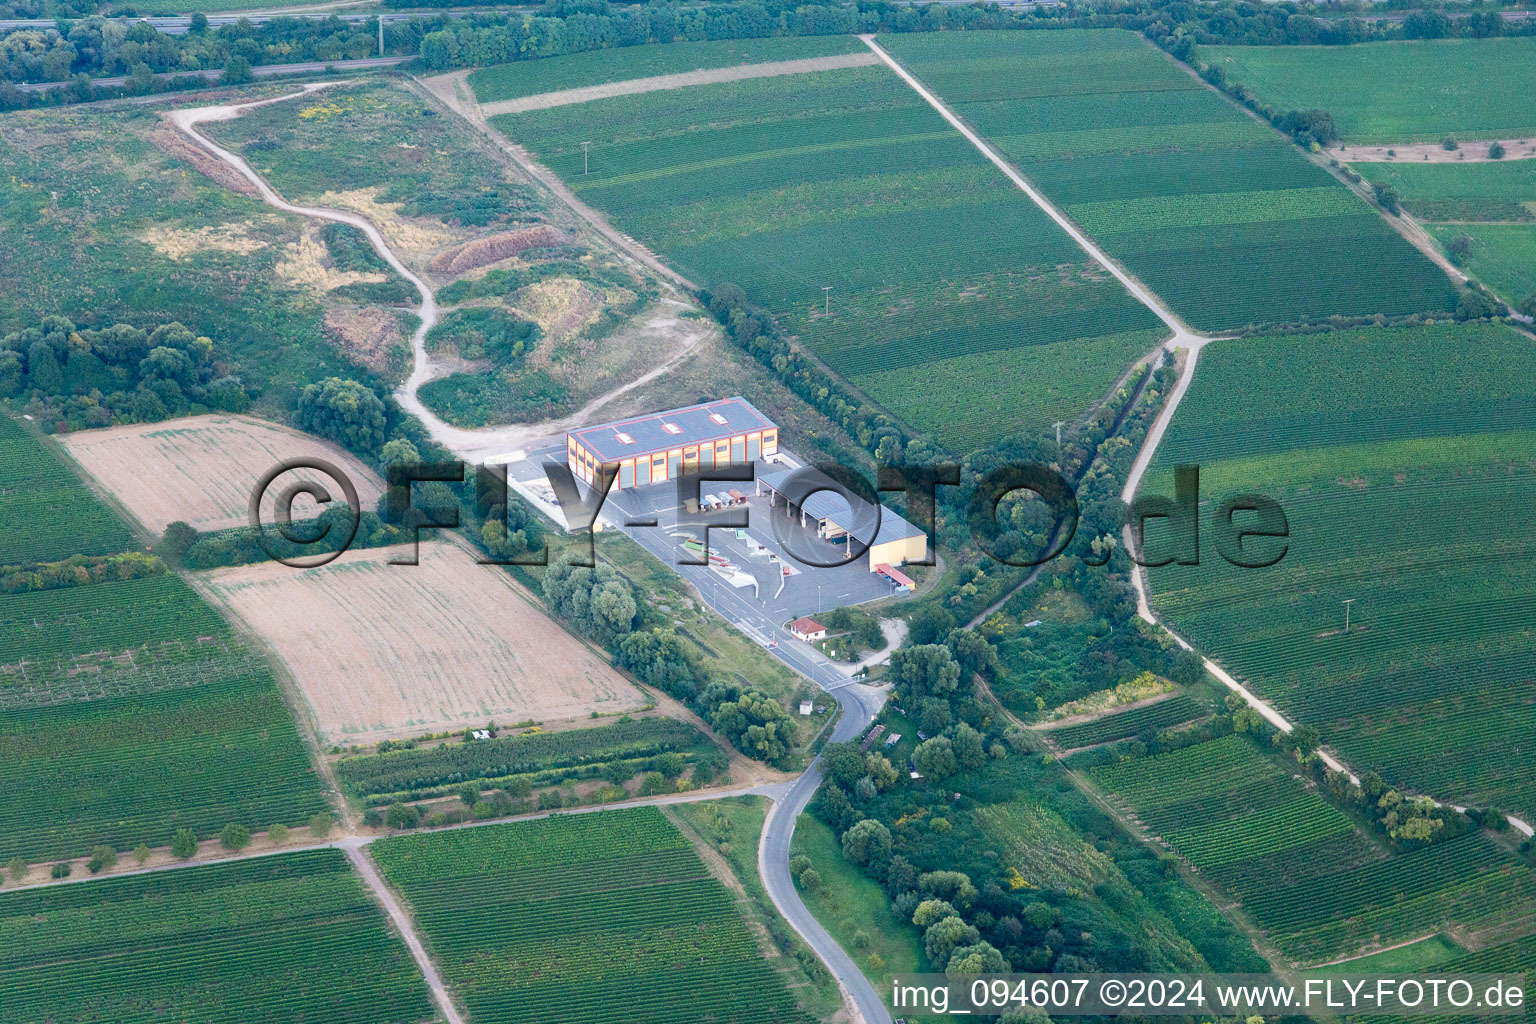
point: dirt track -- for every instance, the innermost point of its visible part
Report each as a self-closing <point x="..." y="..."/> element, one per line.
<point x="681" y="80"/>
<point x="1434" y="153"/>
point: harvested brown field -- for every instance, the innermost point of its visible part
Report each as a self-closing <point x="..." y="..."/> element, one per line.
<point x="202" y="469"/>
<point x="482" y="252"/>
<point x="382" y="651"/>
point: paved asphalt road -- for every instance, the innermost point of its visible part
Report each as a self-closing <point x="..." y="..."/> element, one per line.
<point x="264" y="71"/>
<point x="860" y="705"/>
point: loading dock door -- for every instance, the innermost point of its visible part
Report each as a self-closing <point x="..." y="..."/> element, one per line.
<point x="626" y="474"/>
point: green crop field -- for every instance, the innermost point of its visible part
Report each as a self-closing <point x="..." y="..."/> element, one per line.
<point x="1398" y="457"/>
<point x="599" y="67"/>
<point x="1125" y="724"/>
<point x="49" y="514"/>
<point x="584" y="919"/>
<point x="131" y="710"/>
<point x="546" y="758"/>
<point x="954" y="301"/>
<point x="1414" y="91"/>
<point x="1217" y="213"/>
<point x="272" y="940"/>
<point x="1489" y="190"/>
<point x="128" y="708"/>
<point x="1301" y="869"/>
<point x="1493" y="203"/>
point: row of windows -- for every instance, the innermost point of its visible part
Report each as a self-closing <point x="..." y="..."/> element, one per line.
<point x="663" y="466"/>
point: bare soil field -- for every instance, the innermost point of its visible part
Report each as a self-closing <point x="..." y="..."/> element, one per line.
<point x="384" y="651"/>
<point x="202" y="469"/>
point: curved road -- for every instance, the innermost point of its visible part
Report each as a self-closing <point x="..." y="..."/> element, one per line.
<point x="860" y="704"/>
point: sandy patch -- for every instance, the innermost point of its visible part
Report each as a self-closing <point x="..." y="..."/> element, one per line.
<point x="180" y="243"/>
<point x="368" y="332"/>
<point x="555" y="304"/>
<point x="1434" y="153"/>
<point x="417" y="237"/>
<point x="304" y="265"/>
<point x="383" y="650"/>
<point x="202" y="469"/>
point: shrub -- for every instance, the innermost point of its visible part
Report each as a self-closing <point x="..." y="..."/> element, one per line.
<point x="62" y="869"/>
<point x="320" y="825"/>
<point x="141" y="853"/>
<point x="1449" y="144"/>
<point x="234" y="836"/>
<point x="184" y="844"/>
<point x="102" y="857"/>
<point x="402" y="816"/>
<point x="17" y="868"/>
<point x="1496" y="151"/>
<point x="278" y="834"/>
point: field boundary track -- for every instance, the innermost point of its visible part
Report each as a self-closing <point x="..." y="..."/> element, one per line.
<point x="679" y="80"/>
<point x="1143" y="603"/>
<point x="1182" y="334"/>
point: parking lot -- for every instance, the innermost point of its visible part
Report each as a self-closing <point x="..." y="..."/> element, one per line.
<point x="747" y="583"/>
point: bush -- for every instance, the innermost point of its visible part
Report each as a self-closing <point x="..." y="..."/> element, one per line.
<point x="1496" y="151"/>
<point x="234" y="836"/>
<point x="1387" y="196"/>
<point x="63" y="869"/>
<point x="277" y="834"/>
<point x="400" y="816"/>
<point x="1459" y="249"/>
<point x="141" y="853"/>
<point x="1449" y="144"/>
<point x="184" y="844"/>
<point x="17" y="868"/>
<point x="237" y="71"/>
<point x="102" y="857"/>
<point x="320" y="825"/>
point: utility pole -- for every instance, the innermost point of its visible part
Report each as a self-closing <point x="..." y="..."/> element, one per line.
<point x="826" y="300"/>
<point x="1347" y="602"/>
<point x="584" y="146"/>
<point x="1059" y="424"/>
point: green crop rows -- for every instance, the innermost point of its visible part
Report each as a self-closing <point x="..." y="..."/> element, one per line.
<point x="1214" y="211"/>
<point x="1398" y="457"/>
<point x="1123" y="724"/>
<point x="267" y="941"/>
<point x="48" y="513"/>
<point x="131" y="710"/>
<point x="585" y="919"/>
<point x="1303" y="872"/>
<point x="598" y="67"/>
<point x="955" y="302"/>
<point x="1490" y="202"/>
<point x="540" y="757"/>
<point x="1396" y="91"/>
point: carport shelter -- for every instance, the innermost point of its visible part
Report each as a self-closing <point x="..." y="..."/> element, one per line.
<point x="896" y="541"/>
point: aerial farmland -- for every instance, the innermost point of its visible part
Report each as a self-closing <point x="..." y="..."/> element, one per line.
<point x="749" y="511"/>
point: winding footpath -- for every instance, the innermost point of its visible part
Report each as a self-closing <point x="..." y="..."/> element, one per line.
<point x="860" y="704"/>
